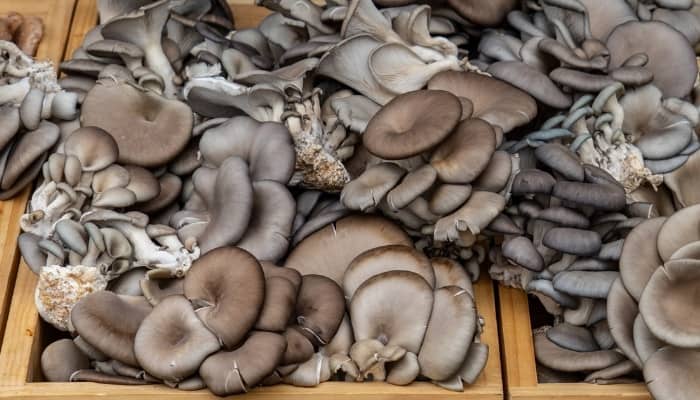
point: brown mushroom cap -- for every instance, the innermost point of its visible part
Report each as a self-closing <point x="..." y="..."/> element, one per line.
<point x="61" y="359"/>
<point x="240" y="370"/>
<point x="149" y="129"/>
<point x="403" y="128"/>
<point x="465" y="153"/>
<point x="621" y="312"/>
<point x="386" y="258"/>
<point x="93" y="146"/>
<point x="681" y="228"/>
<point x="109" y="322"/>
<point x="227" y="288"/>
<point x="172" y="341"/>
<point x="280" y="300"/>
<point x="488" y="14"/>
<point x="320" y="308"/>
<point x="494" y="101"/>
<point x="449" y="272"/>
<point x="329" y="251"/>
<point x="447" y="198"/>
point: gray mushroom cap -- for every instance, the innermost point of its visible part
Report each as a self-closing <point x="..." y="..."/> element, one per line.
<point x="531" y="81"/>
<point x="572" y="337"/>
<point x="521" y="251"/>
<point x="621" y="312"/>
<point x="594" y="284"/>
<point x="639" y="260"/>
<point x="29" y="148"/>
<point x="94" y="147"/>
<point x="465" y="153"/>
<point x="533" y="181"/>
<point x="61" y="359"/>
<point x="573" y="241"/>
<point x="561" y="359"/>
<point x="671" y="374"/>
<point x="604" y="197"/>
<point x="560" y="159"/>
<point x="367" y="190"/>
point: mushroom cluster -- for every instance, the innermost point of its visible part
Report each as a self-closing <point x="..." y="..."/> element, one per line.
<point x="25" y="31"/>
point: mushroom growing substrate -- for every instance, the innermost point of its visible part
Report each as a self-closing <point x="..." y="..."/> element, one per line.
<point x="226" y="208"/>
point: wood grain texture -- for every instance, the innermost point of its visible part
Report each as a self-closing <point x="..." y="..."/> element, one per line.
<point x="518" y="360"/>
<point x="56" y="15"/>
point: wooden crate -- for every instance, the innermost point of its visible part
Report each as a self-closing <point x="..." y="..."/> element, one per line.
<point x="20" y="376"/>
<point x="56" y="15"/>
<point x="518" y="360"/>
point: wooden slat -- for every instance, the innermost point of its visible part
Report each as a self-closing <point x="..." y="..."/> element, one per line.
<point x="518" y="360"/>
<point x="84" y="19"/>
<point x="56" y="15"/>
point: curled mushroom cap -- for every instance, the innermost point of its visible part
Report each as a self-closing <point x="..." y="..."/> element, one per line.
<point x="402" y="128"/>
<point x="227" y="288"/>
<point x="61" y="359"/>
<point x="93" y="146"/>
<point x="386" y="258"/>
<point x="172" y="342"/>
<point x="669" y="301"/>
<point x="494" y="101"/>
<point x="671" y="374"/>
<point x="320" y="308"/>
<point x="109" y="323"/>
<point x="240" y="370"/>
<point x="465" y="153"/>
<point x="378" y="309"/>
<point x="329" y="251"/>
<point x="149" y="129"/>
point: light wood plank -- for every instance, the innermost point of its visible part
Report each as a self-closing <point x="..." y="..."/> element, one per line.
<point x="56" y="15"/>
<point x="84" y="19"/>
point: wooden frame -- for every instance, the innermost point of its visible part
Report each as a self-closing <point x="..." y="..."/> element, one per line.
<point x="518" y="360"/>
<point x="20" y="374"/>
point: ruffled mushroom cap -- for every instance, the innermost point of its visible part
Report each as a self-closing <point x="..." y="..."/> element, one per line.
<point x="382" y="259"/>
<point x="158" y="128"/>
<point x="675" y="79"/>
<point x="172" y="341"/>
<point x="639" y="260"/>
<point x="109" y="323"/>
<point x="61" y="359"/>
<point x="402" y="128"/>
<point x="142" y="183"/>
<point x="494" y="101"/>
<point x="671" y="374"/>
<point x="329" y="251"/>
<point x="320" y="308"/>
<point x="464" y="155"/>
<point x="472" y="217"/>
<point x="231" y="372"/>
<point x="668" y="303"/>
<point x="227" y="288"/>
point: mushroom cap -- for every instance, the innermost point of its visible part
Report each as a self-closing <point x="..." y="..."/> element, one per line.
<point x="109" y="322"/>
<point x="278" y="307"/>
<point x="669" y="303"/>
<point x="621" y="312"/>
<point x="562" y="160"/>
<point x="231" y="372"/>
<point x="449" y="334"/>
<point x="386" y="258"/>
<point x="449" y="272"/>
<point x="446" y="198"/>
<point x="496" y="175"/>
<point x="639" y="260"/>
<point x="94" y="147"/>
<point x="61" y="359"/>
<point x="299" y="347"/>
<point x="487" y="14"/>
<point x="465" y="154"/>
<point x="564" y="217"/>
<point x="155" y="290"/>
<point x="29" y="148"/>
<point x="558" y="358"/>
<point x="675" y="79"/>
<point x="572" y="337"/>
<point x="414" y="184"/>
<point x="367" y="190"/>
<point x="158" y="129"/>
<point x="593" y="284"/>
<point x="329" y="251"/>
<point x="680" y="229"/>
<point x="320" y="308"/>
<point x="671" y="373"/>
<point x="142" y="183"/>
<point x="573" y="241"/>
<point x="472" y="217"/>
<point x="645" y="343"/>
<point x="172" y="341"/>
<point x="402" y="128"/>
<point x="494" y="101"/>
<point x="267" y="147"/>
<point x="227" y="287"/>
<point x="521" y="251"/>
<point x="529" y="181"/>
<point x="604" y="197"/>
<point x="605" y="16"/>
<point x="531" y="81"/>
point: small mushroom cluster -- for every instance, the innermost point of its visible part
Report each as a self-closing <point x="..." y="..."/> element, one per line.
<point x="25" y="31"/>
<point x="233" y="323"/>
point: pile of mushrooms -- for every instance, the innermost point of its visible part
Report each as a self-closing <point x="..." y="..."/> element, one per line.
<point x="182" y="159"/>
<point x="25" y="31"/>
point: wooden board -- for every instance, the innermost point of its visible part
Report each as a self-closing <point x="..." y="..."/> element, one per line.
<point x="21" y="348"/>
<point x="56" y="15"/>
<point x="518" y="360"/>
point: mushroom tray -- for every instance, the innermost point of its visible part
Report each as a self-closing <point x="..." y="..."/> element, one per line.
<point x="325" y="195"/>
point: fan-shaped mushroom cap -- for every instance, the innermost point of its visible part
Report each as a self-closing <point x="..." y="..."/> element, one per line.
<point x="155" y="290"/>
<point x="142" y="183"/>
<point x="572" y="337"/>
<point x="681" y="228"/>
<point x="594" y="284"/>
<point x="93" y="146"/>
<point x="473" y="216"/>
<point x="413" y="185"/>
<point x="449" y="272"/>
<point x="449" y="333"/>
<point x="465" y="153"/>
<point x="270" y="226"/>
<point x="382" y="259"/>
<point x="521" y="251"/>
<point x="277" y="309"/>
<point x="172" y="342"/>
<point x="267" y="147"/>
<point x="231" y="372"/>
<point x="675" y="79"/>
<point x="227" y="287"/>
<point x="378" y="309"/>
<point x="669" y="303"/>
<point x="109" y="323"/>
<point x="494" y="101"/>
<point x="531" y="81"/>
<point x="29" y="148"/>
<point x="329" y="251"/>
<point x="561" y="359"/>
<point x="447" y="198"/>
<point x="158" y="129"/>
<point x="61" y="359"/>
<point x="604" y="17"/>
<point x="621" y="311"/>
<point x="320" y="308"/>
<point x="639" y="259"/>
<point x="496" y="175"/>
<point x="487" y="14"/>
<point x="28" y="244"/>
<point x="671" y="374"/>
<point x="402" y="128"/>
<point x="645" y="343"/>
<point x="271" y="270"/>
<point x="560" y="159"/>
<point x="367" y="190"/>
